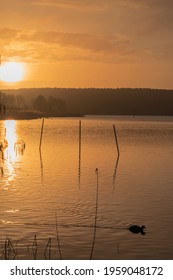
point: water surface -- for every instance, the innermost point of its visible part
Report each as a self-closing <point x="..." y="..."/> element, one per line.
<point x="42" y="192"/>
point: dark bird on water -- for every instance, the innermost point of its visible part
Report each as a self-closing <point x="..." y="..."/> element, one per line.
<point x="137" y="229"/>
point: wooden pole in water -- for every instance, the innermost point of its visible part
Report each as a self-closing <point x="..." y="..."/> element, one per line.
<point x="80" y="140"/>
<point x="116" y="140"/>
<point x="41" y="133"/>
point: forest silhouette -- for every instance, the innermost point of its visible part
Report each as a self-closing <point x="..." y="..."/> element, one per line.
<point x="91" y="101"/>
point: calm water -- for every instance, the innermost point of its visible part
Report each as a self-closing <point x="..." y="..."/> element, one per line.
<point x="136" y="189"/>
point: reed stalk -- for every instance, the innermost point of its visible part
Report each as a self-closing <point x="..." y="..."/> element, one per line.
<point x="9" y="249"/>
<point x="96" y="210"/>
<point x="57" y="237"/>
<point x="34" y="247"/>
<point x="48" y="247"/>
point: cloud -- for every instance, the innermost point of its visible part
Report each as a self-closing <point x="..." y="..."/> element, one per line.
<point x="7" y="34"/>
<point x="42" y="45"/>
<point x="95" y="43"/>
<point x="85" y="5"/>
<point x="151" y="3"/>
<point x="51" y="46"/>
<point x="158" y="9"/>
<point x="102" y="4"/>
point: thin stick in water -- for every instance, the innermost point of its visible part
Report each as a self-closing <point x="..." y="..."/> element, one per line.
<point x="57" y="237"/>
<point x="48" y="247"/>
<point x="116" y="139"/>
<point x="41" y="135"/>
<point x="80" y="144"/>
<point x="34" y="247"/>
<point x="96" y="210"/>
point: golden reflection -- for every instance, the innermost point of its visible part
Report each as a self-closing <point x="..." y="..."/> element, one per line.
<point x="8" y="152"/>
<point x="10" y="130"/>
<point x="12" y="211"/>
<point x="11" y="147"/>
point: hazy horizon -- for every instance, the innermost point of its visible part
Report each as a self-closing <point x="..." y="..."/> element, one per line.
<point x="114" y="88"/>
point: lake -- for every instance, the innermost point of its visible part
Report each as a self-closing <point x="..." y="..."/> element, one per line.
<point x="50" y="207"/>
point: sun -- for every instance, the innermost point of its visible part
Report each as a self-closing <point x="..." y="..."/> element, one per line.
<point x="11" y="72"/>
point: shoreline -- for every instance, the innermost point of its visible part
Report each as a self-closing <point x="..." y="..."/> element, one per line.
<point x="28" y="115"/>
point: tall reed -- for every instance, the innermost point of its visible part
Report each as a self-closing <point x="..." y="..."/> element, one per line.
<point x="9" y="250"/>
<point x="57" y="237"/>
<point x="48" y="248"/>
<point x="34" y="247"/>
<point x="96" y="211"/>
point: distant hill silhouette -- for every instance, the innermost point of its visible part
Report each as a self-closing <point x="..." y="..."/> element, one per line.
<point x="120" y="101"/>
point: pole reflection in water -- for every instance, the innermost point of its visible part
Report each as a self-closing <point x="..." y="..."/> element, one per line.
<point x="115" y="171"/>
<point x="41" y="166"/>
<point x="80" y="138"/>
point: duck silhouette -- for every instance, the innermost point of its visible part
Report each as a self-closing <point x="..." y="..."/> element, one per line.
<point x="137" y="229"/>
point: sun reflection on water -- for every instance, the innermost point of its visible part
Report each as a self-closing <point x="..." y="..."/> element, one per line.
<point x="9" y="156"/>
<point x="11" y="150"/>
<point x="11" y="137"/>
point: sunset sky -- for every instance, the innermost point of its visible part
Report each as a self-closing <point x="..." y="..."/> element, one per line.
<point x="89" y="43"/>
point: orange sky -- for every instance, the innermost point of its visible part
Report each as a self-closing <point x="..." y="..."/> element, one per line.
<point x="89" y="43"/>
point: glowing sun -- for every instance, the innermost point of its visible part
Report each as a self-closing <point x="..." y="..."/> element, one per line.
<point x="12" y="72"/>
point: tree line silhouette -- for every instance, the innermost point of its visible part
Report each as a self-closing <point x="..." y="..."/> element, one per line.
<point x="120" y="101"/>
